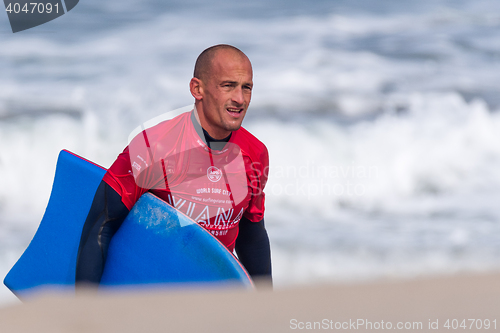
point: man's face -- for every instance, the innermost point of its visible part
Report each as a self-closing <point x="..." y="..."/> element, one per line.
<point x="226" y="92"/>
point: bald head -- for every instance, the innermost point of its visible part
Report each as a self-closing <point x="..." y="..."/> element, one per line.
<point x="204" y="63"/>
<point x="222" y="88"/>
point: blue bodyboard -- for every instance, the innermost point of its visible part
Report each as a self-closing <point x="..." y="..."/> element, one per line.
<point x="156" y="244"/>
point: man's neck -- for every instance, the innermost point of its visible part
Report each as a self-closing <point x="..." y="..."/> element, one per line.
<point x="214" y="133"/>
<point x="215" y="144"/>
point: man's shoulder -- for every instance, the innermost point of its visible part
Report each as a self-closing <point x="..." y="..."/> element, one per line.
<point x="165" y="128"/>
<point x="176" y="122"/>
<point x="251" y="145"/>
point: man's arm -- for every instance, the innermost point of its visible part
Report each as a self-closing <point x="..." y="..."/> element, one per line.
<point x="105" y="217"/>
<point x="253" y="249"/>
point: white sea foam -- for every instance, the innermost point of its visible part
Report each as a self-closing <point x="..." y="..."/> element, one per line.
<point x="401" y="195"/>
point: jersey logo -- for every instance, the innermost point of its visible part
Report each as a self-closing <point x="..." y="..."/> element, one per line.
<point x="214" y="174"/>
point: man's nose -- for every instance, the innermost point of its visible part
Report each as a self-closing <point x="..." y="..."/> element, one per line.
<point x="238" y="96"/>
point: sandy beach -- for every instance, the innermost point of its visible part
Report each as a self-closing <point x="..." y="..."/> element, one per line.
<point x="466" y="303"/>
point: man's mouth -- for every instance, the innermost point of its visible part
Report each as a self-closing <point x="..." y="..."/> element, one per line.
<point x="235" y="112"/>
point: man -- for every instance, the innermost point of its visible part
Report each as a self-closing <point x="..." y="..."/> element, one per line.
<point x="201" y="162"/>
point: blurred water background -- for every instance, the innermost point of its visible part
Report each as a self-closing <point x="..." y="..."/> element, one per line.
<point x="381" y="118"/>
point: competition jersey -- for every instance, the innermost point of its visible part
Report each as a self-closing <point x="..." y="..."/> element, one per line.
<point x="214" y="188"/>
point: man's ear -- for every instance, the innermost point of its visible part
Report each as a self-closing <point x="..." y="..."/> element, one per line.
<point x="195" y="86"/>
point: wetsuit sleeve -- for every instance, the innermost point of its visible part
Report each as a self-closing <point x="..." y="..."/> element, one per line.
<point x="254" y="250"/>
<point x="105" y="217"/>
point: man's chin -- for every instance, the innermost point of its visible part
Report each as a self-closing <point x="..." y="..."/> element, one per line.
<point x="233" y="125"/>
<point x="233" y="128"/>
